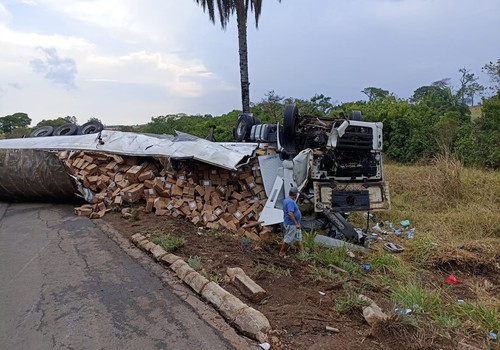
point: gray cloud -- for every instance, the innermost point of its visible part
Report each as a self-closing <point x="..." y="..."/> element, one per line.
<point x="57" y="69"/>
<point x="15" y="85"/>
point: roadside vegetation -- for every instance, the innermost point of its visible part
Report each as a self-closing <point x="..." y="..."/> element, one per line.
<point x="457" y="231"/>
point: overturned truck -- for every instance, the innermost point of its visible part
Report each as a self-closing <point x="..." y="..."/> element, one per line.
<point x="337" y="164"/>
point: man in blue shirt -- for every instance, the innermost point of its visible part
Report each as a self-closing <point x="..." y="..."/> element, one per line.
<point x="291" y="220"/>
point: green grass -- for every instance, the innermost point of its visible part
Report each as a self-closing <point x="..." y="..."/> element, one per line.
<point x="487" y="317"/>
<point x="308" y="239"/>
<point x="335" y="256"/>
<point x="194" y="262"/>
<point x="387" y="263"/>
<point x="213" y="276"/>
<point x="433" y="302"/>
<point x="168" y="242"/>
<point x="418" y="298"/>
<point x="320" y="273"/>
<point x="423" y="249"/>
<point x="350" y="302"/>
<point x="272" y="269"/>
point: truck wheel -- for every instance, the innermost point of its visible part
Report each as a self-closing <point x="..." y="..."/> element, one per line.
<point x="91" y="127"/>
<point x="289" y="134"/>
<point x="66" y="130"/>
<point x="244" y="126"/>
<point x="355" y="115"/>
<point x="43" y="131"/>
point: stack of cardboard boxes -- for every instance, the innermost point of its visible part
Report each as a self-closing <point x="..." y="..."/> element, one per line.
<point x="207" y="196"/>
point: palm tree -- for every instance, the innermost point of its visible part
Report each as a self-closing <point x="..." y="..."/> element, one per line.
<point x="225" y="9"/>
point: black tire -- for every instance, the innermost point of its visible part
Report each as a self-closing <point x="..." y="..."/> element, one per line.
<point x="243" y="128"/>
<point x="92" y="127"/>
<point x="290" y="120"/>
<point x="66" y="130"/>
<point x="43" y="131"/>
<point x="356" y="115"/>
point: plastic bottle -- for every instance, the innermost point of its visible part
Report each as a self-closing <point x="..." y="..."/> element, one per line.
<point x="411" y="233"/>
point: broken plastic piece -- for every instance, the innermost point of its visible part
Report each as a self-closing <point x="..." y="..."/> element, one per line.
<point x="405" y="223"/>
<point x="392" y="247"/>
<point x="410" y="234"/>
<point x="265" y="346"/>
<point x="451" y="279"/>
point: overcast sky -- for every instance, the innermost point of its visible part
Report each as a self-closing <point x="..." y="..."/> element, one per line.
<point x="124" y="61"/>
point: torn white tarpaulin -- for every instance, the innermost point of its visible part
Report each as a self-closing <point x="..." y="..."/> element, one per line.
<point x="182" y="146"/>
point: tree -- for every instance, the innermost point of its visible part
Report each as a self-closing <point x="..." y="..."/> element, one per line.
<point x="94" y="119"/>
<point x="14" y="121"/>
<point x="323" y="103"/>
<point x="374" y="93"/>
<point x="56" y="122"/>
<point x="469" y="87"/>
<point x="225" y="9"/>
<point x="271" y="107"/>
<point x="439" y="97"/>
<point x="493" y="71"/>
<point x="71" y="119"/>
<point x="487" y="132"/>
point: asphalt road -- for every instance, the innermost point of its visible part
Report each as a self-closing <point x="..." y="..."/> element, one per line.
<point x="66" y="285"/>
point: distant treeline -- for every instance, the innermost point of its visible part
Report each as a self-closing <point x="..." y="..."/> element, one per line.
<point x="414" y="129"/>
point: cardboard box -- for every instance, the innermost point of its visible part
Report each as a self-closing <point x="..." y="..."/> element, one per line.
<point x="176" y="191"/>
<point x="133" y="173"/>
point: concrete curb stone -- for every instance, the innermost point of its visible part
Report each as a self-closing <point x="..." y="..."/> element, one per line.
<point x="196" y="281"/>
<point x="232" y="307"/>
<point x="253" y="323"/>
<point x="170" y="258"/>
<point x="181" y="268"/>
<point x="148" y="246"/>
<point x="214" y="294"/>
<point x="244" y="318"/>
<point x="158" y="252"/>
<point x="137" y="237"/>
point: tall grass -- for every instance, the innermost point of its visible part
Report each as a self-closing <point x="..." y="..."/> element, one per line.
<point x="451" y="203"/>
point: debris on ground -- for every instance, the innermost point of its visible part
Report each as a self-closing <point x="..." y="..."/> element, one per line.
<point x="372" y="313"/>
<point x="393" y="247"/>
<point x="451" y="279"/>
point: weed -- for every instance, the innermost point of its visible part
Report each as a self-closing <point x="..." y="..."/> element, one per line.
<point x="350" y="302"/>
<point x="265" y="300"/>
<point x="168" y="242"/>
<point x="418" y="298"/>
<point x="447" y="319"/>
<point x="388" y="263"/>
<point x="303" y="256"/>
<point x="322" y="272"/>
<point x="336" y="256"/>
<point x="213" y="276"/>
<point x="445" y="181"/>
<point x="424" y="249"/>
<point x="272" y="269"/>
<point x="114" y="209"/>
<point x="133" y="214"/>
<point x="194" y="262"/>
<point x="308" y="239"/>
<point x="487" y="317"/>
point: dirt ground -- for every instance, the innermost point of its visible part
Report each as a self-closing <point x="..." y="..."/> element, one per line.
<point x="296" y="309"/>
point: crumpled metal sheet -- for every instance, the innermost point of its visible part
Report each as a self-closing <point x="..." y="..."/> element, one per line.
<point x="27" y="174"/>
<point x="182" y="146"/>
